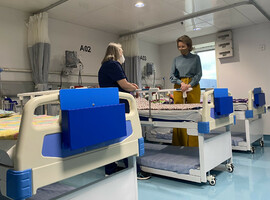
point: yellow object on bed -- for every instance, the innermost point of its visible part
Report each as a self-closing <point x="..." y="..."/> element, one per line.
<point x="9" y="126"/>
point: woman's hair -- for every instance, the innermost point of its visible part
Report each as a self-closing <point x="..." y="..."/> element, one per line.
<point x="185" y="39"/>
<point x="112" y="52"/>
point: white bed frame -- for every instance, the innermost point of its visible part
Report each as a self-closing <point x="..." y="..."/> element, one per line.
<point x="46" y="170"/>
<point x="212" y="152"/>
<point x="253" y="127"/>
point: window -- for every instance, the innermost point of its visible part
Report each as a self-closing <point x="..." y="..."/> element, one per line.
<point x="208" y="61"/>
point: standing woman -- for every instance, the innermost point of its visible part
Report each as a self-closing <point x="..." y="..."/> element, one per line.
<point x="186" y="72"/>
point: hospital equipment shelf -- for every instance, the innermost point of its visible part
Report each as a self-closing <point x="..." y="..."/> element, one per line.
<point x="252" y="130"/>
<point x="214" y="150"/>
<point x="44" y="155"/>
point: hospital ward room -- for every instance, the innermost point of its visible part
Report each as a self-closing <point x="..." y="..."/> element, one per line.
<point x="134" y="99"/>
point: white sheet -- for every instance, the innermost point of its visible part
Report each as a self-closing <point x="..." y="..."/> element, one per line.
<point x="240" y="106"/>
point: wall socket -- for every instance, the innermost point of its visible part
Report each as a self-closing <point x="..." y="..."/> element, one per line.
<point x="262" y="47"/>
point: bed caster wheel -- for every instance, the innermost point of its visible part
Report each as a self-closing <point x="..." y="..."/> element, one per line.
<point x="212" y="180"/>
<point x="252" y="150"/>
<point x="261" y="143"/>
<point x="230" y="168"/>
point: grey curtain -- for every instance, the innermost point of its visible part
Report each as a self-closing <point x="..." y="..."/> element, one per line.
<point x="39" y="55"/>
<point x="132" y="68"/>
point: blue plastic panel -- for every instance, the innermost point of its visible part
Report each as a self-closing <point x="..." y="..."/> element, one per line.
<point x="52" y="145"/>
<point x="203" y="127"/>
<point x="220" y="92"/>
<point x="259" y="99"/>
<point x="86" y="98"/>
<point x="91" y="126"/>
<point x="257" y="90"/>
<point x="249" y="113"/>
<point x="141" y="146"/>
<point x="19" y="184"/>
<point x="223" y="105"/>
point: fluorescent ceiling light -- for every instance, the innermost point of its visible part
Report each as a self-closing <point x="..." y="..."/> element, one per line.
<point x="139" y="4"/>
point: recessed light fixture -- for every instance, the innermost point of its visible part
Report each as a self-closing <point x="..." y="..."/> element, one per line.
<point x="139" y="4"/>
<point x="196" y="29"/>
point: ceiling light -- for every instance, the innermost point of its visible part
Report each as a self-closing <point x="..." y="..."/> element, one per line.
<point x="139" y="4"/>
<point x="196" y="29"/>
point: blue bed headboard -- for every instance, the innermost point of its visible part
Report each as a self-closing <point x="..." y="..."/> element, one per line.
<point x="259" y="97"/>
<point x="223" y="102"/>
<point x="91" y="116"/>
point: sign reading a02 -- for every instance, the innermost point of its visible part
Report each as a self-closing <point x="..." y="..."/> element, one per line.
<point x="85" y="48"/>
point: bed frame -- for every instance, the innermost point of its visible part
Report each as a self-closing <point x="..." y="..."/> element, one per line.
<point x="35" y="164"/>
<point x="253" y="122"/>
<point x="213" y="151"/>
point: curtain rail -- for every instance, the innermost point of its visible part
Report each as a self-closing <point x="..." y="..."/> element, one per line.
<point x="30" y="71"/>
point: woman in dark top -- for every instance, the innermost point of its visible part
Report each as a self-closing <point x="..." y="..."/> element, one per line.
<point x="111" y="74"/>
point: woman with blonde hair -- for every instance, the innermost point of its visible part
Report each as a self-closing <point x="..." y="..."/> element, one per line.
<point x="111" y="74"/>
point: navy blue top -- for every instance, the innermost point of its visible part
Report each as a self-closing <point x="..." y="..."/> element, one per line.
<point x="109" y="73"/>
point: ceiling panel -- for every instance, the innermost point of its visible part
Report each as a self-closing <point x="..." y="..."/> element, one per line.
<point x="252" y="13"/>
<point x="265" y="4"/>
<point x="190" y="6"/>
<point x="30" y="6"/>
<point x="226" y="19"/>
<point x="121" y="16"/>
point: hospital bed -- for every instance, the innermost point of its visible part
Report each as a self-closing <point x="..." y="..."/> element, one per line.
<point x="92" y="131"/>
<point x="192" y="163"/>
<point x="249" y="122"/>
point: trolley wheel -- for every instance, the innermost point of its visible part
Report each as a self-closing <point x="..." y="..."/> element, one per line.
<point x="212" y="182"/>
<point x="231" y="168"/>
<point x="252" y="150"/>
<point x="261" y="143"/>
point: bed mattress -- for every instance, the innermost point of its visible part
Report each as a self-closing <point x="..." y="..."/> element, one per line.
<point x="172" y="115"/>
<point x="9" y="130"/>
<point x="170" y="158"/>
<point x="240" y="106"/>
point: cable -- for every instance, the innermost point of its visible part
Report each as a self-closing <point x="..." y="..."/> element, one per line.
<point x="61" y="76"/>
<point x="80" y="78"/>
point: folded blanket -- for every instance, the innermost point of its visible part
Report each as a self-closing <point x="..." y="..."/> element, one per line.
<point x="143" y="104"/>
<point x="9" y="126"/>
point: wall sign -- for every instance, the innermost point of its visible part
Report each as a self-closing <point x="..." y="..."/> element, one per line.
<point x="85" y="48"/>
<point x="143" y="58"/>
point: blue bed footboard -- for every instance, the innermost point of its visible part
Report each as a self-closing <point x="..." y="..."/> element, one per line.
<point x="90" y="120"/>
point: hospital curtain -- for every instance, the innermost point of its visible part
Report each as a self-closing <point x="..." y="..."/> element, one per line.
<point x="39" y="52"/>
<point x="132" y="65"/>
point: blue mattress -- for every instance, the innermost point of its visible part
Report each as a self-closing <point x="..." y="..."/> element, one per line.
<point x="170" y="158"/>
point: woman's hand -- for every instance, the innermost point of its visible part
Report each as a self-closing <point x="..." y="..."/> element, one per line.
<point x="136" y="86"/>
<point x="185" y="87"/>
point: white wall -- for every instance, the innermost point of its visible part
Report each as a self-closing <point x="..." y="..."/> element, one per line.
<point x="13" y="43"/>
<point x="67" y="36"/>
<point x="167" y="53"/>
<point x="63" y="36"/>
<point x="249" y="67"/>
<point x="151" y="51"/>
